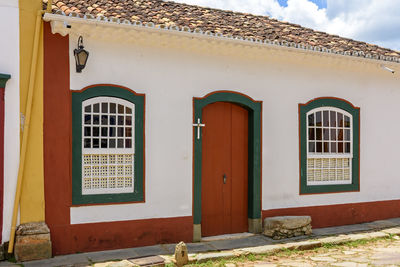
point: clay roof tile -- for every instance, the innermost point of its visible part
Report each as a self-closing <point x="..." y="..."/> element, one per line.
<point x="208" y="19"/>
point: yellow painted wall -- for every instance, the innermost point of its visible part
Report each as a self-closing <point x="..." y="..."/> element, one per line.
<point x="32" y="195"/>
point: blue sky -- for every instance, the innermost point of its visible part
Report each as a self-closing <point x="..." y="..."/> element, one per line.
<point x="319" y="3"/>
<point x="372" y="21"/>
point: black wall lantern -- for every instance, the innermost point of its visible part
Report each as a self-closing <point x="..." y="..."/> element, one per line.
<point x="81" y="55"/>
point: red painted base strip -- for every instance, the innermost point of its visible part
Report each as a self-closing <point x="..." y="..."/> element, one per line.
<point x="335" y="215"/>
<point x="123" y="234"/>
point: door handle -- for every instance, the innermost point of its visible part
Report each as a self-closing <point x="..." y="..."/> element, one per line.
<point x="224" y="178"/>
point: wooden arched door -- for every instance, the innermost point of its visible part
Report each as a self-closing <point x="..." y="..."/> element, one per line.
<point x="224" y="194"/>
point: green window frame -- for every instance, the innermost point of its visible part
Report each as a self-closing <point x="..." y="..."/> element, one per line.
<point x="111" y="92"/>
<point x="3" y="79"/>
<point x="333" y="105"/>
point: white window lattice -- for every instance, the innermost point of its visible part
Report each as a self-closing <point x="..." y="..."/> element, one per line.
<point x="329" y="146"/>
<point x="107" y="146"/>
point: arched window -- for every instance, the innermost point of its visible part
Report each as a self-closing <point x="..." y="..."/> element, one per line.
<point x="329" y="146"/>
<point x="107" y="145"/>
<point x="329" y="152"/>
<point x="108" y="149"/>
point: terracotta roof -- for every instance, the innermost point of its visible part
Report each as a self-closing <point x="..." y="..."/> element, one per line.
<point x="227" y="23"/>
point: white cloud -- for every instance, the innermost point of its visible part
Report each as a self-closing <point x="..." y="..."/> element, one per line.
<point x="373" y="21"/>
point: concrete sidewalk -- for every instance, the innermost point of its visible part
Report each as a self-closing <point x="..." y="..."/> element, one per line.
<point x="204" y="251"/>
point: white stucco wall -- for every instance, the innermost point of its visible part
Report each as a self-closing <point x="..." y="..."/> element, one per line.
<point x="170" y="78"/>
<point x="9" y="64"/>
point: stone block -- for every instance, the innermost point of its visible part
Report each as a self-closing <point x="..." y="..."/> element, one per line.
<point x="196" y="232"/>
<point x="287" y="222"/>
<point x="262" y="249"/>
<point x="287" y="226"/>
<point x="34" y="228"/>
<point x="32" y="242"/>
<point x="181" y="254"/>
<point x="153" y="261"/>
<point x="255" y="225"/>
<point x="214" y="256"/>
<point x="124" y="263"/>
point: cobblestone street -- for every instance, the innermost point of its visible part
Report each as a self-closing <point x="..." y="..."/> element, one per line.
<point x="383" y="252"/>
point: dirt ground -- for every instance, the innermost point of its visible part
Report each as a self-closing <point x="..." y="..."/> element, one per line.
<point x="382" y="252"/>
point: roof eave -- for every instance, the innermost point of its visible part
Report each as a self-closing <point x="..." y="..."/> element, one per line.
<point x="61" y="23"/>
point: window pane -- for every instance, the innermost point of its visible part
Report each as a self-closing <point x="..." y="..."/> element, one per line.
<point x="333" y="147"/>
<point x="96" y="131"/>
<point x="104" y="107"/>
<point x="103" y="143"/>
<point x="112" y="120"/>
<point x="120" y="109"/>
<point x="111" y="143"/>
<point x="333" y="119"/>
<point x="88" y="108"/>
<point x="319" y="133"/>
<point x="346" y="122"/>
<point x="347" y="147"/>
<point x="311" y="147"/>
<point x="87" y="131"/>
<point x="311" y="134"/>
<point x="120" y="120"/>
<point x="96" y="108"/>
<point x="311" y="120"/>
<point x="104" y="131"/>
<point x="326" y="147"/>
<point x="120" y="131"/>
<point x="113" y="108"/>
<point x="319" y="146"/>
<point x="318" y="119"/>
<point x="347" y="134"/>
<point x="128" y="110"/>
<point x="88" y="119"/>
<point x="340" y="135"/>
<point x="326" y="118"/>
<point x="95" y="143"/>
<point x="120" y="143"/>
<point x="128" y="120"/>
<point x="340" y="119"/>
<point x="340" y="147"/>
<point x="333" y="134"/>
<point x="96" y="119"/>
<point x="104" y="119"/>
<point x="112" y="131"/>
<point x="86" y="143"/>
<point x="326" y="134"/>
<point x="128" y="143"/>
<point x="128" y="132"/>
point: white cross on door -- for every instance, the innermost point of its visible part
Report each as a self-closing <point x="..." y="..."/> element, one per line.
<point x="198" y="125"/>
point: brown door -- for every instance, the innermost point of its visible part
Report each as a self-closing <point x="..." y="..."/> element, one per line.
<point x="224" y="169"/>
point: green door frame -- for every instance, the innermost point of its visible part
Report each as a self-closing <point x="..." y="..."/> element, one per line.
<point x="254" y="177"/>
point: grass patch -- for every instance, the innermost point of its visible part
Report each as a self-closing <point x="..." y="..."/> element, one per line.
<point x="284" y="252"/>
<point x="357" y="243"/>
<point x="12" y="259"/>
